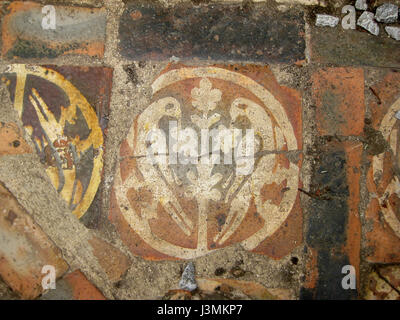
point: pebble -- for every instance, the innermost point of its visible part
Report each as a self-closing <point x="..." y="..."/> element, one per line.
<point x="188" y="280"/>
<point x="324" y="20"/>
<point x="397" y="115"/>
<point x="361" y="5"/>
<point x="394" y="32"/>
<point x="366" y="21"/>
<point x="387" y="13"/>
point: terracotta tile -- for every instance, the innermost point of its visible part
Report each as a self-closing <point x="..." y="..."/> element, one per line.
<point x="234" y="32"/>
<point x="65" y="109"/>
<point x="338" y="94"/>
<point x="24" y="37"/>
<point x="113" y="261"/>
<point x="82" y="288"/>
<point x="25" y="249"/>
<point x="382" y="214"/>
<point x="184" y="211"/>
<point x="11" y="140"/>
<point x="333" y="222"/>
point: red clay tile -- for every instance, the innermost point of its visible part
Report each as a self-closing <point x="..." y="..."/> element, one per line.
<point x="113" y="261"/>
<point x="338" y="94"/>
<point x="185" y="211"/>
<point x="225" y="31"/>
<point x="82" y="288"/>
<point x="383" y="213"/>
<point x="333" y="224"/>
<point x="65" y="108"/>
<point x="11" y="140"/>
<point x="24" y="249"/>
<point x="24" y="37"/>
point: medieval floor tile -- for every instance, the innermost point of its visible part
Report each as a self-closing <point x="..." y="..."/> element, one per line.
<point x="333" y="235"/>
<point x="28" y="31"/>
<point x="12" y="141"/>
<point x="74" y="286"/>
<point x="170" y="201"/>
<point x="353" y="48"/>
<point x="65" y="111"/>
<point x="252" y="32"/>
<point x="25" y="249"/>
<point x="383" y="212"/>
<point x="379" y="289"/>
<point x="392" y="275"/>
<point x="338" y="95"/>
<point x="113" y="261"/>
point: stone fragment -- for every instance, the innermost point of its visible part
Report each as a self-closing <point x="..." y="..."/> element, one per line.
<point x="324" y="20"/>
<point x="366" y="21"/>
<point x="188" y="280"/>
<point x="387" y="13"/>
<point x="397" y="115"/>
<point x="361" y="5"/>
<point x="394" y="32"/>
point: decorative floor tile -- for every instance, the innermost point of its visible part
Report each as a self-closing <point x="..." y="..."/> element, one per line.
<point x="64" y="110"/>
<point x="353" y="48"/>
<point x="11" y="140"/>
<point x="182" y="205"/>
<point x="383" y="215"/>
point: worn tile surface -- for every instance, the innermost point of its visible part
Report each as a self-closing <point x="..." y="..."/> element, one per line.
<point x="77" y="30"/>
<point x="188" y="210"/>
<point x="353" y="48"/>
<point x="338" y="94"/>
<point x="11" y="140"/>
<point x="74" y="286"/>
<point x="250" y="32"/>
<point x="24" y="249"/>
<point x="383" y="215"/>
<point x="65" y="110"/>
<point x="333" y="223"/>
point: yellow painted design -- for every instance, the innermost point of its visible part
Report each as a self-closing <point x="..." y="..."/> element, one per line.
<point x="54" y="130"/>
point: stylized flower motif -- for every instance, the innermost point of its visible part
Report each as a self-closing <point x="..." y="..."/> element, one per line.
<point x="202" y="185"/>
<point x="205" y="98"/>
